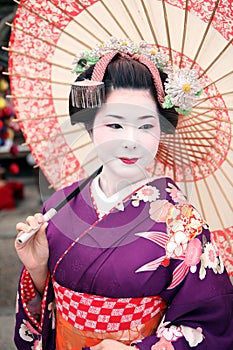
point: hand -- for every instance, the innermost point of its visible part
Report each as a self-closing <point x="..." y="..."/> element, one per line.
<point x="109" y="344"/>
<point x="34" y="253"/>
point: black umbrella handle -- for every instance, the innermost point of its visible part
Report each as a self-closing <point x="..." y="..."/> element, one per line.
<point x="53" y="211"/>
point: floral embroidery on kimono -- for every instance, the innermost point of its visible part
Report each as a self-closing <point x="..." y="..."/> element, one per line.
<point x="176" y="194"/>
<point x="30" y="334"/>
<point x="145" y="194"/>
<point x="183" y="225"/>
<point x="169" y="334"/>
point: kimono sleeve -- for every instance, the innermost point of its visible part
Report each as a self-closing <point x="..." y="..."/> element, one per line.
<point x="35" y="324"/>
<point x="200" y="308"/>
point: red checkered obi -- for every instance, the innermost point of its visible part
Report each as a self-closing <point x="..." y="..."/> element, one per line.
<point x="101" y="314"/>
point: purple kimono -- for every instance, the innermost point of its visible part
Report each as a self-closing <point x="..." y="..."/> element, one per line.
<point x="152" y="243"/>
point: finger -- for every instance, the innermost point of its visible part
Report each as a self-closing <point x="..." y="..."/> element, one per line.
<point x="39" y="217"/>
<point x="22" y="233"/>
<point x="33" y="222"/>
<point x="38" y="234"/>
<point x="21" y="226"/>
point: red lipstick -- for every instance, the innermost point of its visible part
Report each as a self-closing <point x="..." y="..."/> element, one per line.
<point x="129" y="160"/>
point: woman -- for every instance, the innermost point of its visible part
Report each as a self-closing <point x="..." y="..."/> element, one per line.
<point x="128" y="262"/>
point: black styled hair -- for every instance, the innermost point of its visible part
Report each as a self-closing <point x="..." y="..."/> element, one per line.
<point x="126" y="72"/>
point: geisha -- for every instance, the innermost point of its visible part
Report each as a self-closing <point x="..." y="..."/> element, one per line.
<point x="129" y="262"/>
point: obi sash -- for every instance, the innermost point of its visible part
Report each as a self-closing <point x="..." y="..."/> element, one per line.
<point x="84" y="320"/>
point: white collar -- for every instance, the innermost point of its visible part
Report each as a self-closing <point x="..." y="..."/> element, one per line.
<point x="104" y="204"/>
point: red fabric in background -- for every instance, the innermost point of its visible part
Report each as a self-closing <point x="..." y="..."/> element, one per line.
<point x="10" y="193"/>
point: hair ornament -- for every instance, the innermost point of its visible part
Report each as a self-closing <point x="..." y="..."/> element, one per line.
<point x="182" y="87"/>
<point x="87" y="93"/>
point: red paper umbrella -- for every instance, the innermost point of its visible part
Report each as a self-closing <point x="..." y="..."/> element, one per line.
<point x="46" y="35"/>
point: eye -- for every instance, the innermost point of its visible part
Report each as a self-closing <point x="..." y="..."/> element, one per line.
<point x="114" y="126"/>
<point x="146" y="126"/>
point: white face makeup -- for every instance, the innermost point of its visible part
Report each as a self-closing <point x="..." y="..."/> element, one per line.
<point x="126" y="135"/>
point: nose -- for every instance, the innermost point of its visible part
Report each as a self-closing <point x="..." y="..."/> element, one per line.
<point x="129" y="144"/>
<point x="130" y="139"/>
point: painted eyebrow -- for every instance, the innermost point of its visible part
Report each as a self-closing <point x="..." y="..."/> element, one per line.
<point x="140" y="118"/>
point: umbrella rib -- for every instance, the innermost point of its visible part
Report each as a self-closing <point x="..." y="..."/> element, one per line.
<point x="54" y="136"/>
<point x="214" y="128"/>
<point x="199" y="138"/>
<point x="204" y="99"/>
<point x="209" y="153"/>
<point x="72" y="172"/>
<point x="210" y="129"/>
<point x="93" y="17"/>
<point x="217" y="58"/>
<point x="184" y="174"/>
<point x="76" y="22"/>
<point x="213" y="118"/>
<point x="184" y="32"/>
<point x="223" y="191"/>
<point x="170" y="160"/>
<point x="149" y="22"/>
<point x="16" y="75"/>
<point x="53" y="116"/>
<point x="206" y="138"/>
<point x="217" y="212"/>
<point x="197" y="144"/>
<point x="53" y="24"/>
<point x="132" y="20"/>
<point x="205" y="33"/>
<point x="167" y="141"/>
<point x="166" y="155"/>
<point x="205" y="122"/>
<point x="210" y="194"/>
<point x="186" y="155"/>
<point x="63" y="154"/>
<point x="189" y="144"/>
<point x="167" y="30"/>
<point x="215" y="108"/>
<point x="38" y="38"/>
<point x="38" y="98"/>
<point x="184" y="147"/>
<point x="114" y="18"/>
<point x="230" y="181"/>
<point x="197" y="114"/>
<point x="183" y="126"/>
<point x="219" y="79"/>
<point x="175" y="155"/>
<point x="199" y="197"/>
<point x="163" y="155"/>
<point x="35" y="58"/>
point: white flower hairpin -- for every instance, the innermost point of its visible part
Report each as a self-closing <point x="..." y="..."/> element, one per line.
<point x="182" y="88"/>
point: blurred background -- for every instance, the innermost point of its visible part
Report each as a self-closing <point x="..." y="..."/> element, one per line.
<point x="19" y="190"/>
